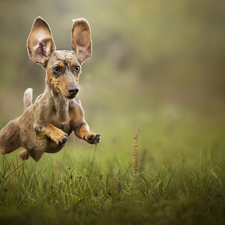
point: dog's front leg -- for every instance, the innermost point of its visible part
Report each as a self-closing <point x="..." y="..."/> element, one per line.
<point x="52" y="132"/>
<point x="80" y="126"/>
<point x="83" y="132"/>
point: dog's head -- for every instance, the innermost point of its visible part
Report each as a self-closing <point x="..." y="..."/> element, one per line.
<point x="63" y="68"/>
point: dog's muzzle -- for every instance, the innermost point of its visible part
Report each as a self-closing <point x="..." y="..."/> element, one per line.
<point x="72" y="90"/>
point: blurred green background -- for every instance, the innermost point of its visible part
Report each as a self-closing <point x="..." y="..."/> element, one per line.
<point x="159" y="63"/>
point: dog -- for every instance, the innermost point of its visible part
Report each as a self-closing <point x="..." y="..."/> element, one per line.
<point x="46" y="124"/>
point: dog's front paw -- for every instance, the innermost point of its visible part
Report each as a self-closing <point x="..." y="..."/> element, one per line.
<point x="93" y="138"/>
<point x="59" y="137"/>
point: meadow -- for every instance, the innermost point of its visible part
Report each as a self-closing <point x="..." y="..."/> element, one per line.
<point x="154" y="89"/>
<point x="166" y="170"/>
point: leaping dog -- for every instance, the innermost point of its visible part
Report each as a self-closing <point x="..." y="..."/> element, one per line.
<point x="46" y="124"/>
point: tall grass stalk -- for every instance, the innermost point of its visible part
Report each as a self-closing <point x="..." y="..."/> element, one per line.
<point x="135" y="154"/>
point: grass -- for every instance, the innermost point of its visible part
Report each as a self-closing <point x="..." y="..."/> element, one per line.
<point x="130" y="178"/>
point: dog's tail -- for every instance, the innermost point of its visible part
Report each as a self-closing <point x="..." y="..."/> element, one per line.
<point x="27" y="98"/>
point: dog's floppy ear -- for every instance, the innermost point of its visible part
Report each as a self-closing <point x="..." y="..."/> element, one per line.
<point x="40" y="42"/>
<point x="81" y="39"/>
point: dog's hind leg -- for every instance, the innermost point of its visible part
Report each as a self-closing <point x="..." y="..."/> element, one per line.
<point x="36" y="155"/>
<point x="24" y="155"/>
<point x="27" y="98"/>
<point x="9" y="137"/>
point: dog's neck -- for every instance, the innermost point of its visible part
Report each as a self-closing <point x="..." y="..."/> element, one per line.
<point x="59" y="104"/>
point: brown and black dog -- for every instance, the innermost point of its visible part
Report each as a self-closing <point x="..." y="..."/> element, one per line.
<point x="46" y="124"/>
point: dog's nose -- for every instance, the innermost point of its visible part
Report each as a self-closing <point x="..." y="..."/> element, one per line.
<point x="73" y="90"/>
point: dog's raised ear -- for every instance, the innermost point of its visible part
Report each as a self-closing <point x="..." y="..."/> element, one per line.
<point x="40" y="42"/>
<point x="81" y="39"/>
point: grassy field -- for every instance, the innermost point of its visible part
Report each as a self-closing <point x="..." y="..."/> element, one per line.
<point x="154" y="89"/>
<point x="167" y="169"/>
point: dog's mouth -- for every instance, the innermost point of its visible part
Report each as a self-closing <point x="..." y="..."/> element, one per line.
<point x="70" y="96"/>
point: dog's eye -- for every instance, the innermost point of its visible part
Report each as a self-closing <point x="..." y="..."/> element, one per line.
<point x="77" y="68"/>
<point x="56" y="69"/>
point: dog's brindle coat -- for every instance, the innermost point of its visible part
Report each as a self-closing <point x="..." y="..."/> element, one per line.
<point x="46" y="124"/>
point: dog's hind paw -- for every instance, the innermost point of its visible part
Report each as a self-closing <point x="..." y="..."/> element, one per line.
<point x="93" y="139"/>
<point x="24" y="155"/>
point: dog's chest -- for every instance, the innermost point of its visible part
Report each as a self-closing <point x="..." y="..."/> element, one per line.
<point x="60" y="119"/>
<point x="63" y="125"/>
